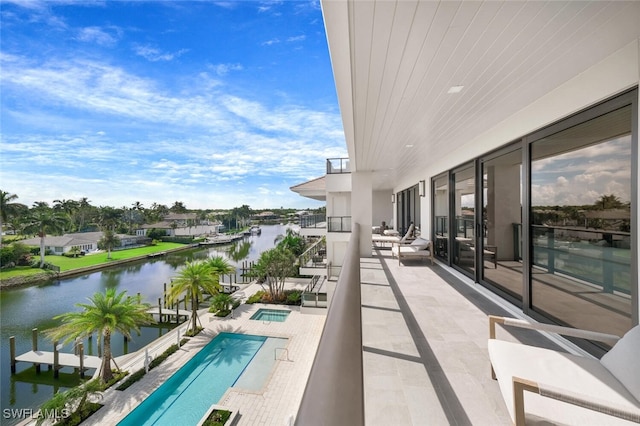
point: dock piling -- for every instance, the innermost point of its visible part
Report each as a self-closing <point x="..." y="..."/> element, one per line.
<point x="56" y="363"/>
<point x="12" y="350"/>
<point x="81" y="354"/>
<point x="34" y="347"/>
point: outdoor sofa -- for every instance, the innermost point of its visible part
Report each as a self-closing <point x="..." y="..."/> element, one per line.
<point x="543" y="386"/>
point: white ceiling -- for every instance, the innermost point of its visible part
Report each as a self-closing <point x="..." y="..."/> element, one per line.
<point x="394" y="62"/>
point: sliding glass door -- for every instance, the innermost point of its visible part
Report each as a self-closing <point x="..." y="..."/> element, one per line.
<point x="440" y="194"/>
<point x="581" y="223"/>
<point x="502" y="221"/>
<point x="464" y="223"/>
<point x="548" y="222"/>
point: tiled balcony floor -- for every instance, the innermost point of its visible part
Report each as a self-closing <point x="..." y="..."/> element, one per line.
<point x="425" y="355"/>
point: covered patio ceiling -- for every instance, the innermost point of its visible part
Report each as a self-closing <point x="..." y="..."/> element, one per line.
<point x="395" y="63"/>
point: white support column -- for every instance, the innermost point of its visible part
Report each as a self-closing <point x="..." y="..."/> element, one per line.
<point x="361" y="208"/>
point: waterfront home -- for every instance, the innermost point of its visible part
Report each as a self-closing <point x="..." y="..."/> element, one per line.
<point x="182" y="224"/>
<point x="87" y="242"/>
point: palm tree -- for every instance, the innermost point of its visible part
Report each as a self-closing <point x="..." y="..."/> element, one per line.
<point x="108" y="241"/>
<point x="193" y="280"/>
<point x="68" y="207"/>
<point x="83" y="211"/>
<point x="107" y="313"/>
<point x="178" y="207"/>
<point x="42" y="220"/>
<point x="8" y="208"/>
<point x="220" y="266"/>
<point x="222" y="303"/>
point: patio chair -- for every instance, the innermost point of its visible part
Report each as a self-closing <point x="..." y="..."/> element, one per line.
<point x="543" y="386"/>
<point x="419" y="248"/>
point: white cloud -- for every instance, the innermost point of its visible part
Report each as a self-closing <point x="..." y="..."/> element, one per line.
<point x="224" y="69"/>
<point x="98" y="35"/>
<point x="154" y="54"/>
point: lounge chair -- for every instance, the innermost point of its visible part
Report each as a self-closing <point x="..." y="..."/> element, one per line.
<point x="543" y="386"/>
<point x="420" y="248"/>
<point x="390" y="236"/>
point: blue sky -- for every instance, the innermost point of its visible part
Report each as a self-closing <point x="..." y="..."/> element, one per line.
<point x="214" y="104"/>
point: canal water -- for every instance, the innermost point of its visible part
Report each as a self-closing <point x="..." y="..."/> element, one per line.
<point x="23" y="309"/>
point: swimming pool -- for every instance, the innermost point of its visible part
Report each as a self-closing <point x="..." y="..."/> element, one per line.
<point x="275" y="315"/>
<point x="187" y="395"/>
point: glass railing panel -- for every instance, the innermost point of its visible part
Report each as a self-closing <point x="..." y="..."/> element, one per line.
<point x="339" y="224"/>
<point x="338" y="165"/>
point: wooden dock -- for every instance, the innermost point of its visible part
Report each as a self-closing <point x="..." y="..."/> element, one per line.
<point x="64" y="359"/>
<point x="170" y="312"/>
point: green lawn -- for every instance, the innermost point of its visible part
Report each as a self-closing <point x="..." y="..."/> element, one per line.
<point x="68" y="263"/>
<point x="19" y="271"/>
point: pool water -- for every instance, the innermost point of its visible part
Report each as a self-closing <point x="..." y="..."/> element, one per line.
<point x="275" y="315"/>
<point x="187" y="395"/>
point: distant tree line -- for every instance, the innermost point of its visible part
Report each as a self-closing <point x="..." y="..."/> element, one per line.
<point x="68" y="216"/>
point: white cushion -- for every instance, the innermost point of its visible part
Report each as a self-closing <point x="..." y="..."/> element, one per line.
<point x="577" y="375"/>
<point x="623" y="361"/>
<point x="391" y="232"/>
<point x="420" y="242"/>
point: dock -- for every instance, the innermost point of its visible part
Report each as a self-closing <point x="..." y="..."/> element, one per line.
<point x="55" y="359"/>
<point x="221" y="239"/>
<point x="169" y="312"/>
<point x="64" y="359"/>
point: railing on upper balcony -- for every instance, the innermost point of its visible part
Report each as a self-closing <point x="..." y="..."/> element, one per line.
<point x="334" y="394"/>
<point x="314" y="256"/>
<point x="339" y="223"/>
<point x="313" y="221"/>
<point x="338" y="165"/>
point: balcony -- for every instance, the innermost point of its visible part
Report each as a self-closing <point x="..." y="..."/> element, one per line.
<point x="339" y="223"/>
<point x="313" y="225"/>
<point x="422" y="348"/>
<point x="338" y="166"/>
<point x="314" y="260"/>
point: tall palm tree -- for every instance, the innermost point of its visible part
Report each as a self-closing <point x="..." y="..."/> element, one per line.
<point x="8" y="208"/>
<point x="42" y="220"/>
<point x="194" y="279"/>
<point x="68" y="207"/>
<point x="105" y="314"/>
<point x="108" y="241"/>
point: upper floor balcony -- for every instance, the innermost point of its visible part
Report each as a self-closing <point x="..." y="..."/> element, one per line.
<point x="313" y="225"/>
<point x="338" y="165"/>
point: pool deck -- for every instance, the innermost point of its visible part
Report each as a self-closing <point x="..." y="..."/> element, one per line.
<point x="272" y="405"/>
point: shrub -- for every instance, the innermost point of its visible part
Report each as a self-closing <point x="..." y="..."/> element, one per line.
<point x="258" y="297"/>
<point x="131" y="379"/>
<point x="217" y="418"/>
<point x="191" y="333"/>
<point x="16" y="253"/>
<point x="293" y="297"/>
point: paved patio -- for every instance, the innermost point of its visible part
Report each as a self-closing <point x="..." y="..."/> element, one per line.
<point x="425" y="334"/>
